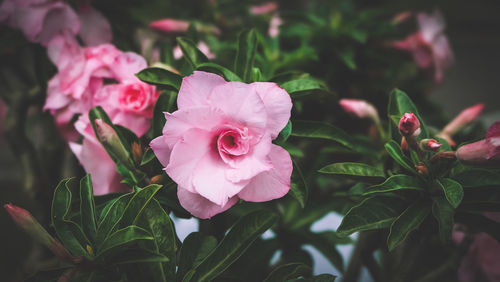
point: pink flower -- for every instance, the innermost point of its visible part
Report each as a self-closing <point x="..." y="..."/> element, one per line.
<point x="265" y="8"/>
<point x="409" y="125"/>
<point x="274" y="25"/>
<point x="430" y="145"/>
<point x="486" y="151"/>
<point x="466" y="116"/>
<point x="429" y="46"/>
<point x="95" y="28"/>
<point x="217" y="146"/>
<point x="170" y="25"/>
<point x="360" y="108"/>
<point x="40" y="20"/>
<point x="202" y="46"/>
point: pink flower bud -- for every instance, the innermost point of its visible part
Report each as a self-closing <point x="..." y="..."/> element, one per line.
<point x="409" y="125"/>
<point x="360" y="108"/>
<point x="486" y="151"/>
<point x="265" y="8"/>
<point x="466" y="116"/>
<point x="429" y="145"/>
<point x="170" y="25"/>
<point x="106" y="134"/>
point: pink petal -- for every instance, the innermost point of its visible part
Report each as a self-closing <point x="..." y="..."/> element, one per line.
<point x="494" y="130"/>
<point x="278" y="106"/>
<point x="271" y="184"/>
<point x="431" y="25"/>
<point x="170" y="25"/>
<point x="55" y="98"/>
<point x="95" y="27"/>
<point x="196" y="88"/>
<point x="126" y="65"/>
<point x="199" y="206"/>
<point x="442" y="55"/>
<point x="161" y="150"/>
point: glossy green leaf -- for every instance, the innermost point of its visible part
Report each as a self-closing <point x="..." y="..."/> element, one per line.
<point x="165" y="103"/>
<point x="287" y="271"/>
<point x="453" y="191"/>
<point x="399" y="104"/>
<point x="408" y="221"/>
<point x="302" y="87"/>
<point x="358" y="170"/>
<point x="317" y="278"/>
<point x="396" y="153"/>
<point x="476" y="177"/>
<point x="138" y="256"/>
<point x="160" y="77"/>
<point x="147" y="157"/>
<point x="191" y="53"/>
<point x="215" y="68"/>
<point x="138" y="204"/>
<point x="194" y="249"/>
<point x="298" y="186"/>
<point x="87" y="208"/>
<point x="123" y="237"/>
<point x="396" y="183"/>
<point x="314" y="129"/>
<point x="372" y="213"/>
<point x="112" y="216"/>
<point x="245" y="56"/>
<point x="235" y="243"/>
<point x="284" y="133"/>
<point x="443" y="212"/>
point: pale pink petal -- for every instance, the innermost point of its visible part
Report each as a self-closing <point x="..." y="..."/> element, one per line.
<point x="442" y="55"/>
<point x="431" y="25"/>
<point x="161" y="150"/>
<point x="196" y="88"/>
<point x="278" y="106"/>
<point x="65" y="52"/>
<point x="126" y="65"/>
<point x="95" y="28"/>
<point x="199" y="206"/>
<point x="136" y="123"/>
<point x="271" y="184"/>
<point x="55" y="98"/>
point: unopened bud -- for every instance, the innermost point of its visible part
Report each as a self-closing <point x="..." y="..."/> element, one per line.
<point x="107" y="135"/>
<point x="360" y="108"/>
<point x="170" y="25"/>
<point x="429" y="145"/>
<point x="486" y="151"/>
<point x="137" y="152"/>
<point x="409" y="125"/>
<point x="157" y="179"/>
<point x="466" y="116"/>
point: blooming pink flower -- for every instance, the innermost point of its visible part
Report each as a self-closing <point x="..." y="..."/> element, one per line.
<point x="484" y="151"/>
<point x="40" y="20"/>
<point x="360" y="108"/>
<point x="202" y="46"/>
<point x="429" y="46"/>
<point x="466" y="116"/>
<point x="170" y="25"/>
<point x="265" y="8"/>
<point x="409" y="125"/>
<point x="217" y="146"/>
<point x="95" y="28"/>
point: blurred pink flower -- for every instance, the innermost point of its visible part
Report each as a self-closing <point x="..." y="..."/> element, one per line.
<point x="274" y="25"/>
<point x="486" y="151"/>
<point x="466" y="116"/>
<point x="170" y="25"/>
<point x="202" y="46"/>
<point x="217" y="146"/>
<point x="265" y="8"/>
<point x="429" y="46"/>
<point x="360" y="108"/>
<point x="95" y="28"/>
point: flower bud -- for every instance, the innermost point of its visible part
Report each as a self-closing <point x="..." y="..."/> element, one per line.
<point x="466" y="116"/>
<point x="429" y="145"/>
<point x="106" y="134"/>
<point x="265" y="8"/>
<point x="486" y="151"/>
<point x="170" y="25"/>
<point x="157" y="179"/>
<point x="409" y="125"/>
<point x="137" y="152"/>
<point x="29" y="224"/>
<point x="360" y="108"/>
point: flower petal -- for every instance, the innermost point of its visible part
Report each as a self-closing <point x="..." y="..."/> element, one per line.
<point x="273" y="184"/>
<point x="95" y="28"/>
<point x="196" y="88"/>
<point x="278" y="106"/>
<point x="161" y="150"/>
<point x="199" y="206"/>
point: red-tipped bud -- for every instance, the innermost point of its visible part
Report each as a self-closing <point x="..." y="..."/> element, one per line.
<point x="360" y="108"/>
<point x="486" y="151"/>
<point x="409" y="125"/>
<point x="107" y="135"/>
<point x="429" y="145"/>
<point x="170" y="25"/>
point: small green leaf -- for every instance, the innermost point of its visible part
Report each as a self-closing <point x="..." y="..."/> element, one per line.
<point x="235" y="243"/>
<point x="245" y="56"/>
<point x="314" y="129"/>
<point x="137" y="256"/>
<point x="112" y="216"/>
<point x="298" y="186"/>
<point x="284" y="133"/>
<point x="160" y="77"/>
<point x="443" y="211"/>
<point x="396" y="153"/>
<point x="408" y="221"/>
<point x="453" y="191"/>
<point x="87" y="208"/>
<point x="372" y="213"/>
<point x="395" y="183"/>
<point x="194" y="249"/>
<point x="215" y="68"/>
<point x="476" y="177"/>
<point x="399" y="104"/>
<point x="147" y="157"/>
<point x="191" y="53"/>
<point x="358" y="170"/>
<point x="287" y="271"/>
<point x="303" y="87"/>
<point x="122" y="238"/>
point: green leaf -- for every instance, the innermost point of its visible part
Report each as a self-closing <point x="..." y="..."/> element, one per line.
<point x="318" y="278"/>
<point x="395" y="183"/>
<point x="443" y="212"/>
<point x="287" y="271"/>
<point x="215" y="68"/>
<point x="147" y="157"/>
<point x="138" y="256"/>
<point x="303" y="87"/>
<point x="194" y="249"/>
<point x="70" y="234"/>
<point x="245" y="56"/>
<point x="156" y="220"/>
<point x="191" y="53"/>
<point x="314" y="129"/>
<point x="160" y="77"/>
<point x="137" y="205"/>
<point x="476" y="177"/>
<point x="453" y="191"/>
<point x="165" y="103"/>
<point x="256" y="74"/>
<point x="399" y="104"/>
<point x="123" y="237"/>
<point x="347" y="56"/>
<point x="112" y="216"/>
<point x="87" y="208"/>
<point x="284" y="133"/>
<point x="408" y="221"/>
<point x="396" y="153"/>
<point x="357" y="170"/>
<point x="298" y="186"/>
<point x="371" y="213"/>
<point x="235" y="243"/>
